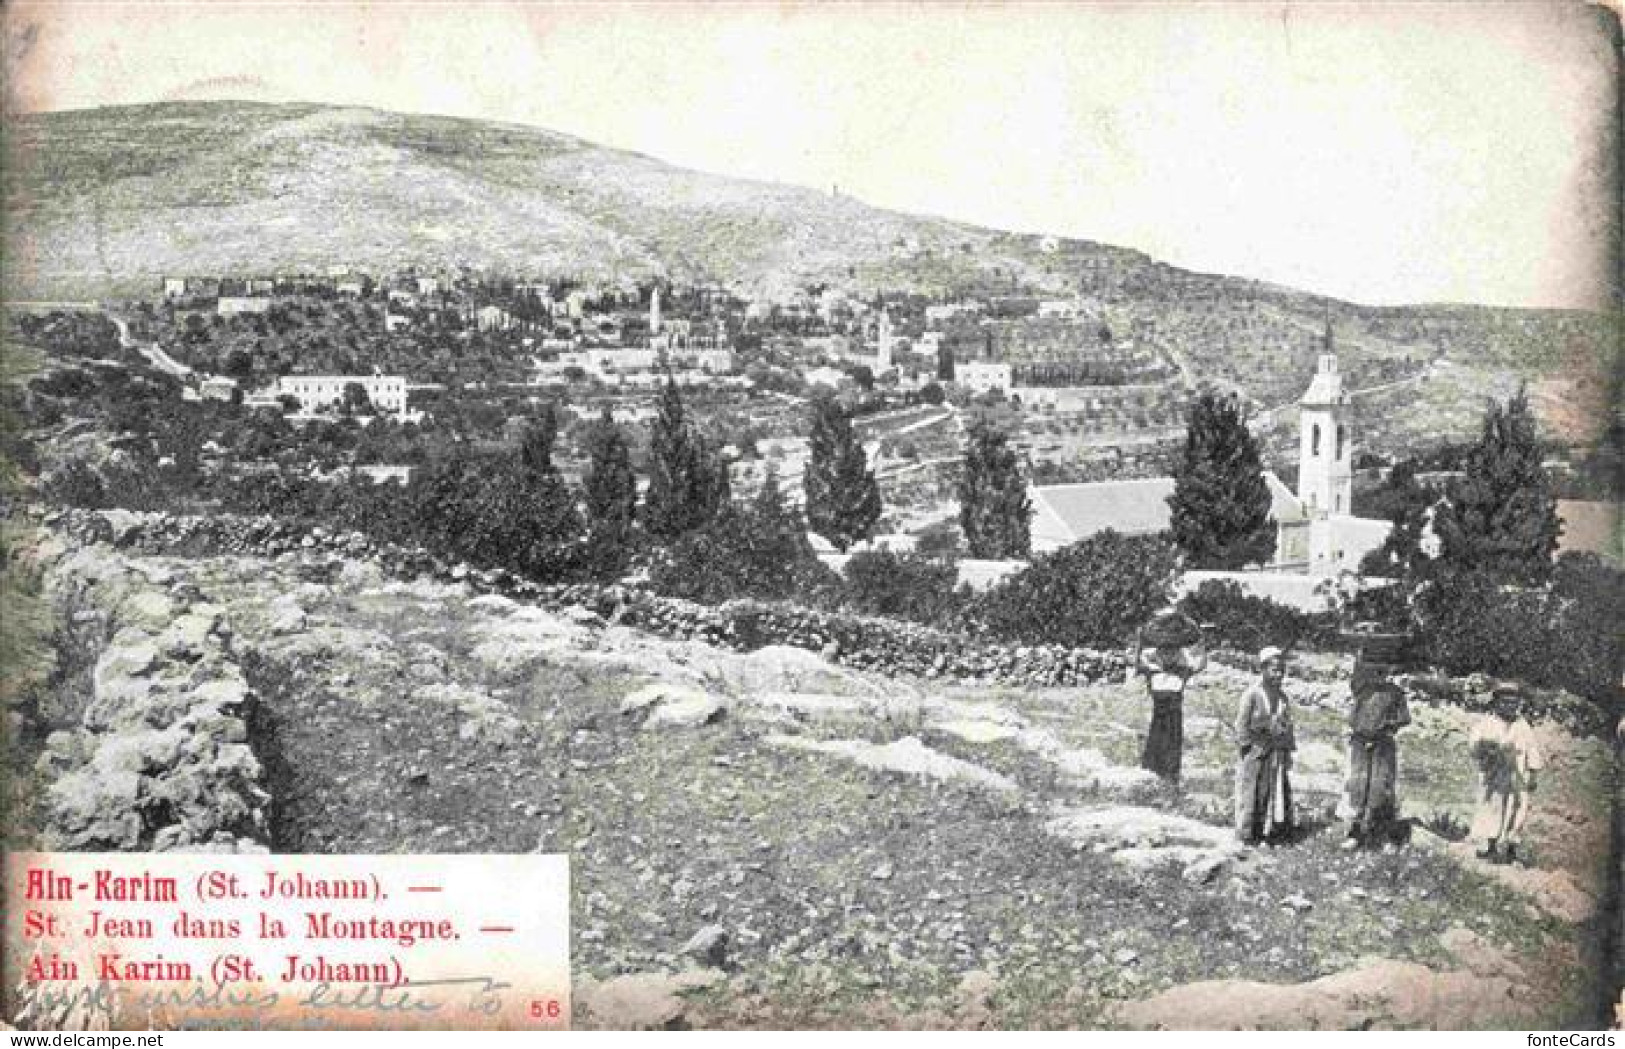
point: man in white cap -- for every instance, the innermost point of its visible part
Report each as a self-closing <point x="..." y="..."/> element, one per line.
<point x="1264" y="733"/>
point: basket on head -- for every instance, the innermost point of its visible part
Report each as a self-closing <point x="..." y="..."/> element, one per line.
<point x="1171" y="630"/>
<point x="1377" y="645"/>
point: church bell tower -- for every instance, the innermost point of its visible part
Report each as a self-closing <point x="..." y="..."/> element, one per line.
<point x="1325" y="441"/>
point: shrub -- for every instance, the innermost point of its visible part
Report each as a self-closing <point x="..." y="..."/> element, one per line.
<point x="76" y="484"/>
<point x="1093" y="593"/>
<point x="758" y="551"/>
<point x="1564" y="635"/>
<point x="1245" y="621"/>
<point x="909" y="586"/>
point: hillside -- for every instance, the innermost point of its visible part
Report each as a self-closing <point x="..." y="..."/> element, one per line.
<point x="110" y="199"/>
<point x="104" y="202"/>
<point x="857" y="847"/>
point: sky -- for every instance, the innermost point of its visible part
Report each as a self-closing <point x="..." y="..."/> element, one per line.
<point x="1384" y="153"/>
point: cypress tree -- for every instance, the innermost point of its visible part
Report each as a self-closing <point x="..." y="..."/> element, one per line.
<point x="1500" y="517"/>
<point x="688" y="484"/>
<point x="1402" y="500"/>
<point x="1220" y="506"/>
<point x="544" y="524"/>
<point x="611" y="497"/>
<point x="843" y="498"/>
<point x="994" y="511"/>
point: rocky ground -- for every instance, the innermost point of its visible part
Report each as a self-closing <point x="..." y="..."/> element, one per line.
<point x="772" y="839"/>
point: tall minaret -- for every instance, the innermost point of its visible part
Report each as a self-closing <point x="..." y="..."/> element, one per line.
<point x="1325" y="442"/>
<point x="883" y="353"/>
<point x="654" y="311"/>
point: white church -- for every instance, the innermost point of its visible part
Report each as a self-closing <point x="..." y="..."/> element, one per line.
<point x="1315" y="532"/>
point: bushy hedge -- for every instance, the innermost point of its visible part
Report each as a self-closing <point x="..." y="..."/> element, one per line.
<point x="743" y="553"/>
<point x="1094" y="593"/>
<point x="907" y="586"/>
<point x="1566" y="634"/>
<point x="1247" y="622"/>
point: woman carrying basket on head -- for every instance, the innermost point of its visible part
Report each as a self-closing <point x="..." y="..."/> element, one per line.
<point x="1167" y="667"/>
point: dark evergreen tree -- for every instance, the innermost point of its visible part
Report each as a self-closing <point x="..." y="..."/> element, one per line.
<point x="843" y="498"/>
<point x="773" y="543"/>
<point x="544" y="528"/>
<point x="536" y="442"/>
<point x="1500" y="517"/>
<point x="688" y="486"/>
<point x="1402" y="500"/>
<point x="611" y="498"/>
<point x="1221" y="504"/>
<point x="994" y="511"/>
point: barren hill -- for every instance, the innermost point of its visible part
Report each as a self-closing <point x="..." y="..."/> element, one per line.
<point x="110" y="199"/>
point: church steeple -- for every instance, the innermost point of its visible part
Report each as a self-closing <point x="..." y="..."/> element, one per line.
<point x="1325" y="448"/>
<point x="884" y="344"/>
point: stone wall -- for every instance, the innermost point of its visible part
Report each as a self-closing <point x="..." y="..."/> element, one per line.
<point x="885" y="645"/>
<point x="153" y="748"/>
<point x="876" y="643"/>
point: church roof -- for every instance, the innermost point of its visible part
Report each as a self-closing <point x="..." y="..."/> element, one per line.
<point x="1285" y="507"/>
<point x="1066" y="513"/>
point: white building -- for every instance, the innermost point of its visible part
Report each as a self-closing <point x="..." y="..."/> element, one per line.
<point x="231" y="305"/>
<point x="831" y="377"/>
<point x="950" y="310"/>
<point x="217" y="388"/>
<point x="982" y="376"/>
<point x="174" y="287"/>
<point x="716" y="361"/>
<point x="314" y="392"/>
<point x="491" y="318"/>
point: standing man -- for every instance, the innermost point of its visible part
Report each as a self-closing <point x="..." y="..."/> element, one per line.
<point x="1380" y="711"/>
<point x="1265" y="735"/>
<point x="1509" y="761"/>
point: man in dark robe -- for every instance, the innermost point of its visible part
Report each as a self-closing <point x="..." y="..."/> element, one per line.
<point x="1379" y="713"/>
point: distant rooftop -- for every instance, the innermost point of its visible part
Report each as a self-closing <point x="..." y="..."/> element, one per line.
<point x="1066" y="513"/>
